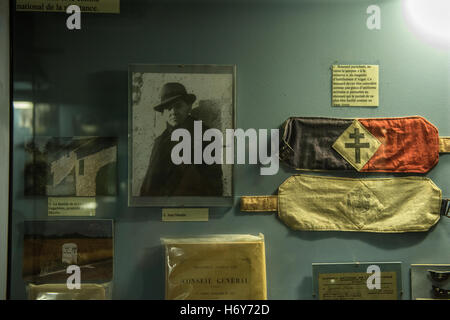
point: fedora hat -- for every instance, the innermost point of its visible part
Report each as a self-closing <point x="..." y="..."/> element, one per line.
<point x="172" y="91"/>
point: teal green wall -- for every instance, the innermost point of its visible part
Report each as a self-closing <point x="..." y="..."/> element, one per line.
<point x="283" y="51"/>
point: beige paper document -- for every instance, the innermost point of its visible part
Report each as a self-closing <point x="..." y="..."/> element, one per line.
<point x="355" y="86"/>
<point x="71" y="206"/>
<point x="86" y="6"/>
<point x="216" y="269"/>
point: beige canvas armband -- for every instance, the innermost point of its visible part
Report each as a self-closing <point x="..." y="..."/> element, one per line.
<point x="319" y="203"/>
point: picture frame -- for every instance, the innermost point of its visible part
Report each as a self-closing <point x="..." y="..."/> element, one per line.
<point x="78" y="166"/>
<point x="206" y="94"/>
<point x="349" y="281"/>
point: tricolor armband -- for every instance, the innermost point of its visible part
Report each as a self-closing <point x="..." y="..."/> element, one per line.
<point x="318" y="203"/>
<point x="410" y="144"/>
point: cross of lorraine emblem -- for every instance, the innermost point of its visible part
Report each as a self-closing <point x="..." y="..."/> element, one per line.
<point x="356" y="145"/>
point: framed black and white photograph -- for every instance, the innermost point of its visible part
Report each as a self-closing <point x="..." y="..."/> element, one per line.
<point x="178" y="117"/>
<point x="71" y="166"/>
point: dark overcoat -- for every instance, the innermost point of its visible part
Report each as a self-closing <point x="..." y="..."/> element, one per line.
<point x="164" y="178"/>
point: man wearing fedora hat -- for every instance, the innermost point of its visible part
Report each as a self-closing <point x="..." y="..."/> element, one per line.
<point x="163" y="177"/>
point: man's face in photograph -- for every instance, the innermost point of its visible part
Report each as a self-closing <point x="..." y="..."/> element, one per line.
<point x="176" y="113"/>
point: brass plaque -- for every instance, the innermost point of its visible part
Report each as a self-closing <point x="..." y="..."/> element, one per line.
<point x="353" y="286"/>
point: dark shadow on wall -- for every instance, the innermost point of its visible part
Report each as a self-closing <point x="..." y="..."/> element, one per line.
<point x="386" y="241"/>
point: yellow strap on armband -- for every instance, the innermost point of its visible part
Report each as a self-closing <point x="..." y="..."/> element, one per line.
<point x="259" y="203"/>
<point x="444" y="144"/>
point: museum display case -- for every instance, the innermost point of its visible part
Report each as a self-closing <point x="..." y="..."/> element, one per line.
<point x="227" y="149"/>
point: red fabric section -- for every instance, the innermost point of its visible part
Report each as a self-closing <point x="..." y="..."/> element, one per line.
<point x="408" y="145"/>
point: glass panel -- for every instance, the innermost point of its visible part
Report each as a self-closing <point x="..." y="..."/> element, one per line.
<point x="72" y="84"/>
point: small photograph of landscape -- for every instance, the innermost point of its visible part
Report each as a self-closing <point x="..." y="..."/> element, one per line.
<point x="51" y="246"/>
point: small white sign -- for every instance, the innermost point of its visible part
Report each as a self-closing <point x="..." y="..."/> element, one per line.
<point x="69" y="253"/>
<point x="185" y="214"/>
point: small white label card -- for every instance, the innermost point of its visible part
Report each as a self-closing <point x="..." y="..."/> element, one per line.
<point x="185" y="214"/>
<point x="91" y="6"/>
<point x="71" y="206"/>
<point x="69" y="253"/>
<point x="355" y="86"/>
